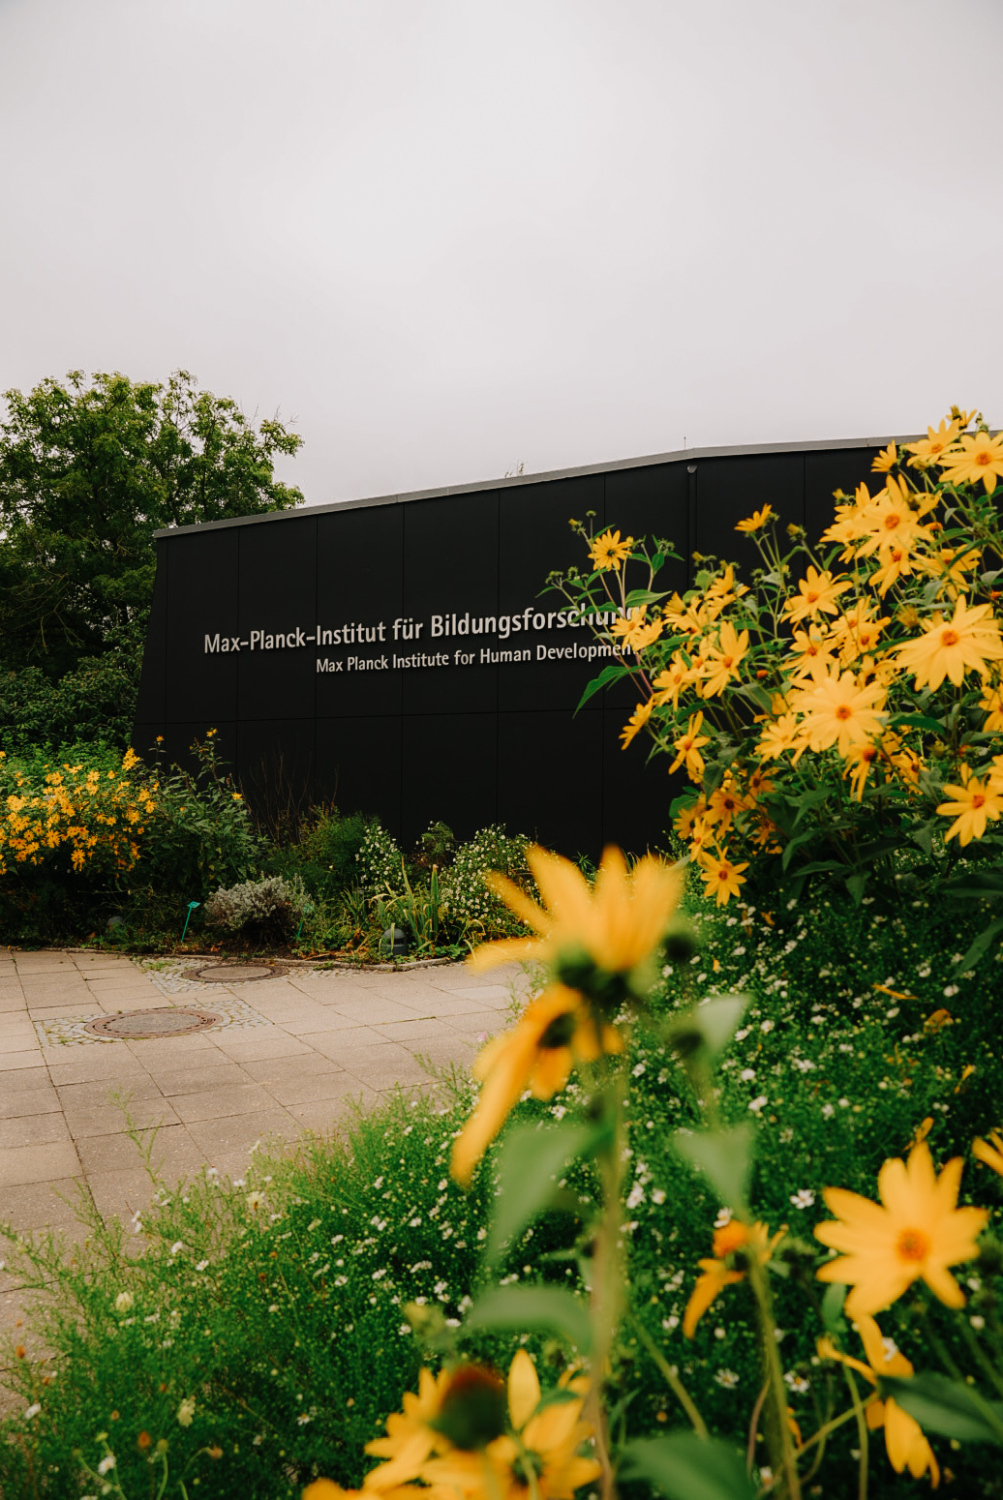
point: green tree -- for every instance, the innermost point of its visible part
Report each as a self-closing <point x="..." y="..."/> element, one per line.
<point x="89" y="469"/>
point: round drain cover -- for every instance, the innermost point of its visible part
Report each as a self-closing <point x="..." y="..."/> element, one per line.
<point x="166" y="1020"/>
<point x="227" y="973"/>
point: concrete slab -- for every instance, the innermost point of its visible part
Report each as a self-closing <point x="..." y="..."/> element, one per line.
<point x="329" y="1043"/>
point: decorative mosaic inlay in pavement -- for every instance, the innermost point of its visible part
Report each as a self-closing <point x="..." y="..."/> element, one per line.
<point x="73" y="1031"/>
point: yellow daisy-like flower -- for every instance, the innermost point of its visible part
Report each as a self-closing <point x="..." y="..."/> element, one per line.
<point x="757" y="520"/>
<point x="905" y="1443"/>
<point x="722" y="1270"/>
<point x="914" y="1234"/>
<point x="951" y="648"/>
<point x="841" y="711"/>
<point x="818" y="593"/>
<point x="617" y="923"/>
<point x="722" y="660"/>
<point x="688" y="747"/>
<point x="420" y="1431"/>
<point x="886" y="459"/>
<point x="554" y="1033"/>
<point x="976" y="457"/>
<point x="608" y="552"/>
<point x="636" y="631"/>
<point x="779" y="736"/>
<point x="722" y="878"/>
<point x="929" y="449"/>
<point x="858" y="765"/>
<point x="973" y="804"/>
<point x="672" y="679"/>
<point x="538" y="1459"/>
<point x="992" y="702"/>
<point x="990" y="1152"/>
<point x="636" y="722"/>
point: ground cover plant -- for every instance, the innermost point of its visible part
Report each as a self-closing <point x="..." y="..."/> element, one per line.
<point x="836" y="1065"/>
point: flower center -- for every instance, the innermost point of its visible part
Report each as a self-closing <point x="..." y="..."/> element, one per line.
<point x="892" y="521"/>
<point x="978" y="800"/>
<point x="949" y="638"/>
<point x="984" y="457"/>
<point x="844" y="711"/>
<point x="913" y="1245"/>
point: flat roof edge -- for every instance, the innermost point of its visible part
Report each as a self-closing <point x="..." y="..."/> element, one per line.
<point x="510" y="481"/>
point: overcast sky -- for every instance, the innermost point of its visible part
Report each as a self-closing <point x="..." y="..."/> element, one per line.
<point x="448" y="236"/>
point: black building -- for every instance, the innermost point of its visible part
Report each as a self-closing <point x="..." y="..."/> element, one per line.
<point x="368" y="653"/>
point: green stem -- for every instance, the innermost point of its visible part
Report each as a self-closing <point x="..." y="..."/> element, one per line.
<point x="607" y="1271"/>
<point x="680" y="1392"/>
<point x="782" y="1455"/>
<point x="858" y="1412"/>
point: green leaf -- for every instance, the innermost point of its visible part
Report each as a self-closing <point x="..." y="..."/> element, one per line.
<point x="917" y="721"/>
<point x="981" y="944"/>
<point x="530" y="1161"/>
<point x="683" y="1466"/>
<point x="725" y="1158"/>
<point x="517" y="1308"/>
<point x="711" y="1025"/>
<point x="644" y="596"/>
<point x="856" y="885"/>
<point x="611" y="673"/>
<point x="946" y="1407"/>
<point x="832" y="1307"/>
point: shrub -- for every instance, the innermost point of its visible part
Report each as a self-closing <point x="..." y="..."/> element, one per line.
<point x="466" y="896"/>
<point x="379" y="862"/>
<point x="202" y="837"/>
<point x="267" y="908"/>
<point x="834" y="725"/>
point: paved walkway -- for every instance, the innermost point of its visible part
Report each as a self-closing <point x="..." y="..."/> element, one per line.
<point x="290" y="1055"/>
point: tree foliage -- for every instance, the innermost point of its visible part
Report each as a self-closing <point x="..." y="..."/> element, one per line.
<point x="89" y="470"/>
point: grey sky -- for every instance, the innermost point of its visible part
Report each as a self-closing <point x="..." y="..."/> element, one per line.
<point x="447" y="236"/>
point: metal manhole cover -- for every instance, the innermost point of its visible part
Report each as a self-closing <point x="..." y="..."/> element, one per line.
<point x="166" y="1020"/>
<point x="230" y="973"/>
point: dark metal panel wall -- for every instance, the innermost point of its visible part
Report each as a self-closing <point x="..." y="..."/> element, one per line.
<point x="473" y="740"/>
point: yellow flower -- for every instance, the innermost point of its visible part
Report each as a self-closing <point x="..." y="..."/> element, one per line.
<point x="917" y="1233"/>
<point x="636" y="722"/>
<point x="859" y="760"/>
<point x="722" y="661"/>
<point x="617" y="923"/>
<point x="818" y="593"/>
<point x="722" y="878"/>
<point x="411" y="1434"/>
<point x="609" y="552"/>
<point x="928" y="450"/>
<point x="757" y="520"/>
<point x="635" y="631"/>
<point x="886" y="459"/>
<point x="672" y="679"/>
<point x="950" y="648"/>
<point x="723" y="1270"/>
<point x="973" y="803"/>
<point x="537" y="1459"/>
<point x="840" y="711"/>
<point x="992" y="702"/>
<point x="904" y="1440"/>
<point x="812" y="653"/>
<point x="688" y="746"/>
<point x="990" y="1152"/>
<point x="554" y="1032"/>
<point x="976" y="457"/>
<point x="782" y="734"/>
